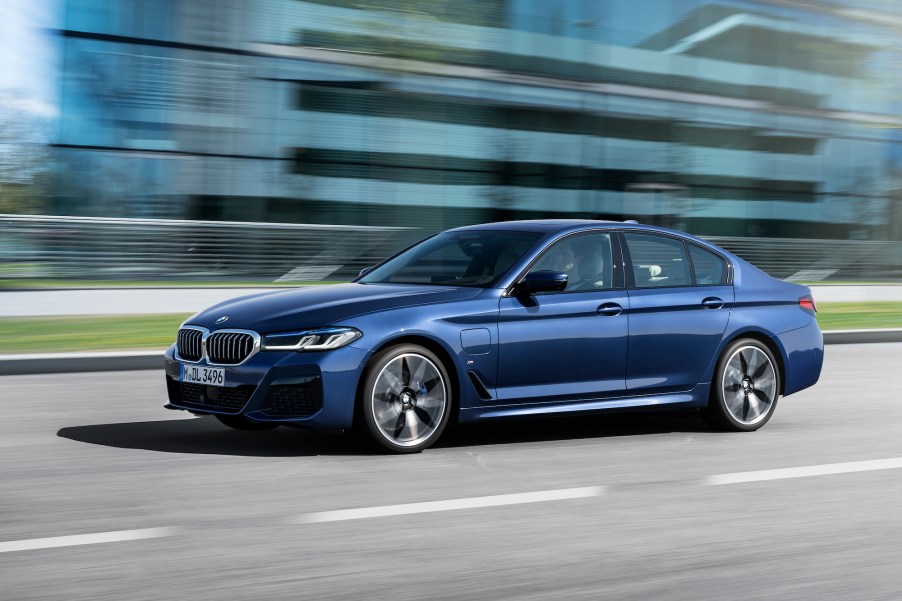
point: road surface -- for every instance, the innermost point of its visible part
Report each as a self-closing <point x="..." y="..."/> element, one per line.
<point x="106" y="495"/>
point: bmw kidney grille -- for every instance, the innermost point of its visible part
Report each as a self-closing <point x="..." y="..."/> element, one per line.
<point x="229" y="348"/>
<point x="189" y="345"/>
<point x="222" y="348"/>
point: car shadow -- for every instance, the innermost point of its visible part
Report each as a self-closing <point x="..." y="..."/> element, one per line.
<point x="206" y="436"/>
<point x="574" y="427"/>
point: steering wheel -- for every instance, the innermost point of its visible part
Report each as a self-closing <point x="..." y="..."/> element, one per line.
<point x="595" y="282"/>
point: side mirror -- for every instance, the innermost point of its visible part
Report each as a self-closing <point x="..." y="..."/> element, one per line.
<point x="541" y="281"/>
<point x="364" y="271"/>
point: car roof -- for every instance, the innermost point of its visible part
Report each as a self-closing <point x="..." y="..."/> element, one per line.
<point x="539" y="225"/>
<point x="551" y="227"/>
<point x="554" y="226"/>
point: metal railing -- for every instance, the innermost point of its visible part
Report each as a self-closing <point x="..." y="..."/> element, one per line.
<point x="158" y="249"/>
<point x="42" y="247"/>
<point x="820" y="260"/>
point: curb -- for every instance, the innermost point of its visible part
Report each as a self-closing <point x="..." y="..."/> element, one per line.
<point x="862" y="336"/>
<point x="61" y="363"/>
<point x="144" y="288"/>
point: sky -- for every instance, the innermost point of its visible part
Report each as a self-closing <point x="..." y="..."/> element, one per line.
<point x="28" y="55"/>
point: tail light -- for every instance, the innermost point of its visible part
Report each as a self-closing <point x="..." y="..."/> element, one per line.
<point x="808" y="305"/>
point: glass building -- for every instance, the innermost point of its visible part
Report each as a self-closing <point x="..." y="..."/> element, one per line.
<point x="767" y="118"/>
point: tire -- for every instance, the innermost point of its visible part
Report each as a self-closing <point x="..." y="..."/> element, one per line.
<point x="745" y="387"/>
<point x="405" y="399"/>
<point x="239" y="422"/>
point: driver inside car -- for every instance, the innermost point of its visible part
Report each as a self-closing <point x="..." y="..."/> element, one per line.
<point x="582" y="266"/>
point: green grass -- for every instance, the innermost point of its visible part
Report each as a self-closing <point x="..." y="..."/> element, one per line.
<point x="859" y="316"/>
<point x="105" y="333"/>
<point x="57" y="284"/>
<point x="845" y="283"/>
<point x="110" y="333"/>
<point x="63" y="284"/>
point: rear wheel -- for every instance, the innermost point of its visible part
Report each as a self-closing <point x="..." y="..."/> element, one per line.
<point x="745" y="387"/>
<point x="239" y="422"/>
<point x="406" y="399"/>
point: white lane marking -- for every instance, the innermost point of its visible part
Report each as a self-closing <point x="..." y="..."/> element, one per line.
<point x="450" y="505"/>
<point x="805" y="471"/>
<point x="85" y="539"/>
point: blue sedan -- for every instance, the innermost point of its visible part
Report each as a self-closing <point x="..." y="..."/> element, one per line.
<point x="501" y="320"/>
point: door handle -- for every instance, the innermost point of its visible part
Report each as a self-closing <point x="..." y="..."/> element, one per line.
<point x="609" y="309"/>
<point x="712" y="302"/>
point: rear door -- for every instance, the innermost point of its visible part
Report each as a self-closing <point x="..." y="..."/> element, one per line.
<point x="680" y="298"/>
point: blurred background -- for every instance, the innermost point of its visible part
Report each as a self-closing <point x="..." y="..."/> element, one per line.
<point x="298" y="141"/>
<point x="161" y="156"/>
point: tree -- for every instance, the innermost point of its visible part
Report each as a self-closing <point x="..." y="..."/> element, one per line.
<point x="25" y="164"/>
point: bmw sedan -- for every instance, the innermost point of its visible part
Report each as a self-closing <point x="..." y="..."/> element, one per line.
<point x="502" y="320"/>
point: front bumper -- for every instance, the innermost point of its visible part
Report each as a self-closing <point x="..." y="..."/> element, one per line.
<point x="313" y="389"/>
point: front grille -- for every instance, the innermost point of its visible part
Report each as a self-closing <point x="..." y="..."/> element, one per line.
<point x="189" y="344"/>
<point x="229" y="348"/>
<point x="198" y="396"/>
<point x="298" y="399"/>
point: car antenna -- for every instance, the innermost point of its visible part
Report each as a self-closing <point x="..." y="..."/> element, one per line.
<point x="630" y="221"/>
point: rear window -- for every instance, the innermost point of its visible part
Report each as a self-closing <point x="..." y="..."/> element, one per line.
<point x="658" y="261"/>
<point x="708" y="268"/>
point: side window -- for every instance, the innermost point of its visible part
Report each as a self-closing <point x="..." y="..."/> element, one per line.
<point x="658" y="261"/>
<point x="585" y="258"/>
<point x="709" y="269"/>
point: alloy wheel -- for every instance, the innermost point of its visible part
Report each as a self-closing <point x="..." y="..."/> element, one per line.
<point x="749" y="385"/>
<point x="409" y="400"/>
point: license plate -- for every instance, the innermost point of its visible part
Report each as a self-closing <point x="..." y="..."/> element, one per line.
<point x="198" y="374"/>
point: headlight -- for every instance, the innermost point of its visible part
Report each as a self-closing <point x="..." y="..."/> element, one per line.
<point x="321" y="339"/>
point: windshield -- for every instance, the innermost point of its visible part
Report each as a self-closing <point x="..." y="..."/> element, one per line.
<point x="475" y="258"/>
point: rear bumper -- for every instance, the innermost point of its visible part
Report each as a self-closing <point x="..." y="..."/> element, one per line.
<point x="313" y="389"/>
<point x="804" y="351"/>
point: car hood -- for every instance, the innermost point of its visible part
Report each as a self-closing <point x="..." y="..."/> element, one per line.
<point x="316" y="306"/>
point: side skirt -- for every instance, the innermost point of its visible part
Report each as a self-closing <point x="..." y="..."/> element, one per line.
<point x="695" y="398"/>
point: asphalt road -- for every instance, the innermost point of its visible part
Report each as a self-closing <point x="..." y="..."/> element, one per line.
<point x="227" y="515"/>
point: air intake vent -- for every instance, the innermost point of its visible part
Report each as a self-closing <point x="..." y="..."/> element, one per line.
<point x="297" y="397"/>
<point x="213" y="399"/>
<point x="481" y="390"/>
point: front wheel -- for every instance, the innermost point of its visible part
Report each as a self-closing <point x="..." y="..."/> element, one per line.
<point x="745" y="387"/>
<point x="406" y="399"/>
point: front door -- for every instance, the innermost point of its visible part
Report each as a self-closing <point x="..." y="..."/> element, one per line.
<point x="567" y="345"/>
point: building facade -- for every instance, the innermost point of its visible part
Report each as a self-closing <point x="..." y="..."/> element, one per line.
<point x="774" y="119"/>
